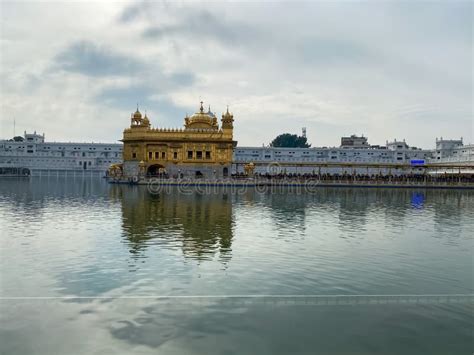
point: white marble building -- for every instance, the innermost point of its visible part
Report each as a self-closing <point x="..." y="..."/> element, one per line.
<point x="42" y="157"/>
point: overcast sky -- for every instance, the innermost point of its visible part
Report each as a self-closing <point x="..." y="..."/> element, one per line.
<point x="383" y="69"/>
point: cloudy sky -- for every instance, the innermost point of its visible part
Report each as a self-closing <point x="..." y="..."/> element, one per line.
<point x="383" y="69"/>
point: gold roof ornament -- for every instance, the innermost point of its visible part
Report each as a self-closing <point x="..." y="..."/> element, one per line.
<point x="136" y="118"/>
<point x="227" y="119"/>
<point x="137" y="113"/>
<point x="227" y="114"/>
<point x="146" y="120"/>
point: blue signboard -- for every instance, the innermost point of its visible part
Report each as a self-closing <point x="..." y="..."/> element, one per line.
<point x="417" y="162"/>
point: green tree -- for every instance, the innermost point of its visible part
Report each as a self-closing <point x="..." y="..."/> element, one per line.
<point x="288" y="140"/>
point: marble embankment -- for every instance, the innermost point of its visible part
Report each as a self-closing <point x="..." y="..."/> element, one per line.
<point x="309" y="184"/>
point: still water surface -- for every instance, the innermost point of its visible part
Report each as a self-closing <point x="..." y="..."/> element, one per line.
<point x="83" y="262"/>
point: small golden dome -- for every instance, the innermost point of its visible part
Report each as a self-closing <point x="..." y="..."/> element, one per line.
<point x="137" y="114"/>
<point x="227" y="114"/>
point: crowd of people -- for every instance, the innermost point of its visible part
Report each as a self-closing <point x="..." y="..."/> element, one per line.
<point x="398" y="178"/>
<point x="450" y="178"/>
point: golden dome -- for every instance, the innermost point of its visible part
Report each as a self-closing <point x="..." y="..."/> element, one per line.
<point x="201" y="119"/>
<point x="137" y="114"/>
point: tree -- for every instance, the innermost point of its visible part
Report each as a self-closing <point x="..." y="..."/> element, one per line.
<point x="287" y="140"/>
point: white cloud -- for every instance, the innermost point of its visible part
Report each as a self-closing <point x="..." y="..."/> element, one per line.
<point x="384" y="69"/>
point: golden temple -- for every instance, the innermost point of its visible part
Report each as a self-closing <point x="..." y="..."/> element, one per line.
<point x="200" y="149"/>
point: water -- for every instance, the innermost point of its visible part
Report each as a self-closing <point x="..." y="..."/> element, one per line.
<point x="85" y="266"/>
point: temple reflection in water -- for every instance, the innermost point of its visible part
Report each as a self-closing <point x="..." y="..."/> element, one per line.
<point x="201" y="225"/>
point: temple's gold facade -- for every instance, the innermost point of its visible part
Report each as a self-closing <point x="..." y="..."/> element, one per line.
<point x="200" y="149"/>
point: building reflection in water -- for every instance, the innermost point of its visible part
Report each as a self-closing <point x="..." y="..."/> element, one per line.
<point x="201" y="225"/>
<point x="417" y="200"/>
